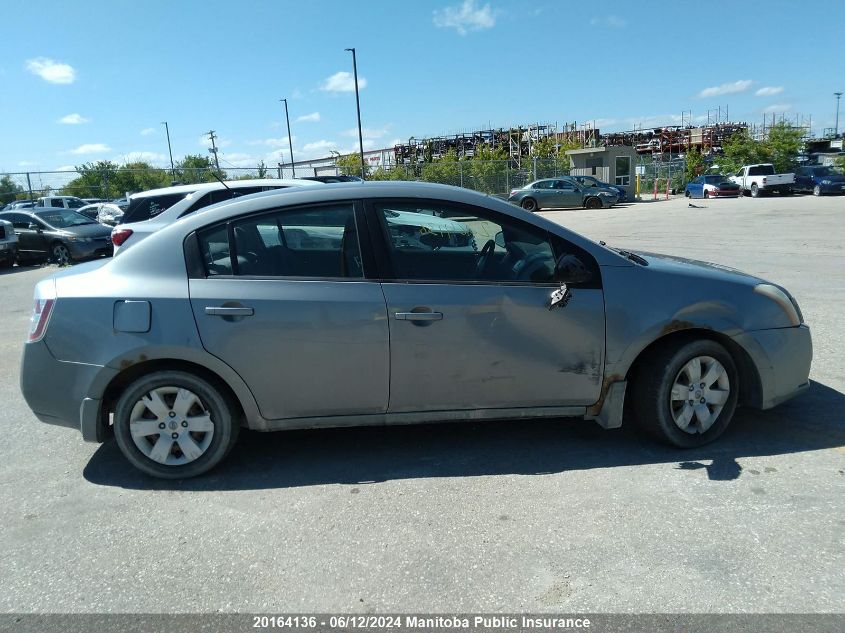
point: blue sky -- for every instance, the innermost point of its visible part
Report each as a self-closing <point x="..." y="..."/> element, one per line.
<point x="91" y="80"/>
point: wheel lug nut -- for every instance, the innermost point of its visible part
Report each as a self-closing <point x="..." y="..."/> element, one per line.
<point x="703" y="401"/>
<point x="691" y="387"/>
<point x="174" y="435"/>
<point x="702" y="385"/>
<point x="184" y="423"/>
<point x="161" y="425"/>
<point x="173" y="415"/>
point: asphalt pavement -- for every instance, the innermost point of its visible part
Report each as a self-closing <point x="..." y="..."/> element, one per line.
<point x="521" y="516"/>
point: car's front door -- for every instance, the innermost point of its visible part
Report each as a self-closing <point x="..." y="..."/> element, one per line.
<point x="281" y="297"/>
<point x="468" y="300"/>
<point x="32" y="243"/>
<point x="567" y="194"/>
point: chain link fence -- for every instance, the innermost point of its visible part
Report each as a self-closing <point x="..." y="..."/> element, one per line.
<point x="496" y="177"/>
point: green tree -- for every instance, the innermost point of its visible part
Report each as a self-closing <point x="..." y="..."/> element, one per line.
<point x="93" y="180"/>
<point x="740" y="149"/>
<point x="9" y="190"/>
<point x="840" y="164"/>
<point x="693" y="164"/>
<point x="445" y="170"/>
<point x="350" y="164"/>
<point x="487" y="170"/>
<point x="195" y="168"/>
<point x="784" y="143"/>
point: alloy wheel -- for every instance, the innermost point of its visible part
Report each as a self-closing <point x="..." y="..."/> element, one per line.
<point x="61" y="255"/>
<point x="171" y="426"/>
<point x="699" y="394"/>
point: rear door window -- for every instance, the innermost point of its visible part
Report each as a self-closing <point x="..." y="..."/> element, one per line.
<point x="148" y="207"/>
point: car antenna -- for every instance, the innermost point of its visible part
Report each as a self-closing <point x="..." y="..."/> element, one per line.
<point x="220" y="179"/>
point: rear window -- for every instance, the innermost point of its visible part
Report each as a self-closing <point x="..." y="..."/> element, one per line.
<point x="141" y="209"/>
<point x="761" y="170"/>
<point x="220" y="195"/>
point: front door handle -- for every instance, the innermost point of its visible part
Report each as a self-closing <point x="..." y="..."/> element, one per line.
<point x="226" y="311"/>
<point x="419" y="316"/>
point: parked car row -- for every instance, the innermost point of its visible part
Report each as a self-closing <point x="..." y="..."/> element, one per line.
<point x="60" y="235"/>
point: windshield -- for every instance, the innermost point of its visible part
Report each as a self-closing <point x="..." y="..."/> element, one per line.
<point x="63" y="218"/>
<point x="824" y="171"/>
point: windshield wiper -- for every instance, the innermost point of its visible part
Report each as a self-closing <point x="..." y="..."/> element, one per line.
<point x="631" y="256"/>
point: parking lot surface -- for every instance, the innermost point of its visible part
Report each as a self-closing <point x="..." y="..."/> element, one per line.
<point x="521" y="516"/>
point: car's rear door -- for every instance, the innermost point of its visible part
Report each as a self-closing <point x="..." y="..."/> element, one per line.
<point x="282" y="298"/>
<point x="470" y="324"/>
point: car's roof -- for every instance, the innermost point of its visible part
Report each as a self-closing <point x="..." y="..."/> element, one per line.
<point x="212" y="186"/>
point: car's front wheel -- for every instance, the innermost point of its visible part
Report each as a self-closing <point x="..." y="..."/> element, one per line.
<point x="817" y="190"/>
<point x="686" y="395"/>
<point x="174" y="425"/>
<point x="593" y="203"/>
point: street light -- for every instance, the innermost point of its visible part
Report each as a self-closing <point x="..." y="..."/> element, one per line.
<point x="358" y="106"/>
<point x="170" y="151"/>
<point x="838" y="95"/>
<point x="290" y="141"/>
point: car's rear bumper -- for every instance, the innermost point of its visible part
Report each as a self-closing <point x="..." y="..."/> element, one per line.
<point x="782" y="357"/>
<point x="63" y="393"/>
<point x="730" y="193"/>
<point x="85" y="250"/>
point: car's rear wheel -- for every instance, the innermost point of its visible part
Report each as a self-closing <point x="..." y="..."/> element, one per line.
<point x="706" y="194"/>
<point x="686" y="395"/>
<point x="60" y="254"/>
<point x="174" y="425"/>
<point x="529" y="204"/>
<point x="593" y="203"/>
<point x="755" y="191"/>
<point x="687" y="194"/>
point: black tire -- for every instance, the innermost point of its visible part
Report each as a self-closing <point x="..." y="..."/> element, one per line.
<point x="529" y="204"/>
<point x="651" y="389"/>
<point x="755" y="191"/>
<point x="706" y="194"/>
<point x="687" y="194"/>
<point x="817" y="190"/>
<point x="218" y="405"/>
<point x="60" y="254"/>
<point x="593" y="203"/>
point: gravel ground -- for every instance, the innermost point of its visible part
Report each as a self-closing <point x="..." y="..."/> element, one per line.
<point x="531" y="516"/>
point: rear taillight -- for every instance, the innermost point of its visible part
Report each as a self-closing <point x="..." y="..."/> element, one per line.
<point x="119" y="236"/>
<point x="42" y="308"/>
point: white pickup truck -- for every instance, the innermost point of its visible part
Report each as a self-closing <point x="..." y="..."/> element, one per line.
<point x="761" y="178"/>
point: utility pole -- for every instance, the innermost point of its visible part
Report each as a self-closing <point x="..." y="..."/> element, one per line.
<point x="290" y="140"/>
<point x="358" y="106"/>
<point x="170" y="151"/>
<point x="838" y="95"/>
<point x="213" y="149"/>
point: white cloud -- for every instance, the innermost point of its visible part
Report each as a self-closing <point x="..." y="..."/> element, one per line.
<point x="319" y="146"/>
<point x="603" y="123"/>
<point x="297" y="94"/>
<point x="342" y="82"/>
<point x="777" y="108"/>
<point x="272" y="142"/>
<point x="609" y="21"/>
<point x="465" y="17"/>
<point x="221" y="142"/>
<point x="73" y="119"/>
<point x="239" y="159"/>
<point x="65" y="168"/>
<point x="90" y="148"/>
<point x="50" y="70"/>
<point x="147" y="131"/>
<point x="26" y="163"/>
<point x="313" y="117"/>
<point x="769" y="91"/>
<point x="726" y="89"/>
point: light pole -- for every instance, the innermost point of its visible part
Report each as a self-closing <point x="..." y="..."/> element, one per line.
<point x="358" y="106"/>
<point x="290" y="141"/>
<point x="170" y="151"/>
<point x="838" y="95"/>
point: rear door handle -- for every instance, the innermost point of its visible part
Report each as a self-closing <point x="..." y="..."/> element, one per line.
<point x="419" y="316"/>
<point x="228" y="312"/>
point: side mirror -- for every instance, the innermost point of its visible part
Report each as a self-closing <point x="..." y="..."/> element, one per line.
<point x="34" y="227"/>
<point x="571" y="270"/>
<point x="499" y="238"/>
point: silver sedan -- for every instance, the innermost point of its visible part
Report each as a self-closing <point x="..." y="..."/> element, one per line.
<point x="395" y="303"/>
<point x="556" y="193"/>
